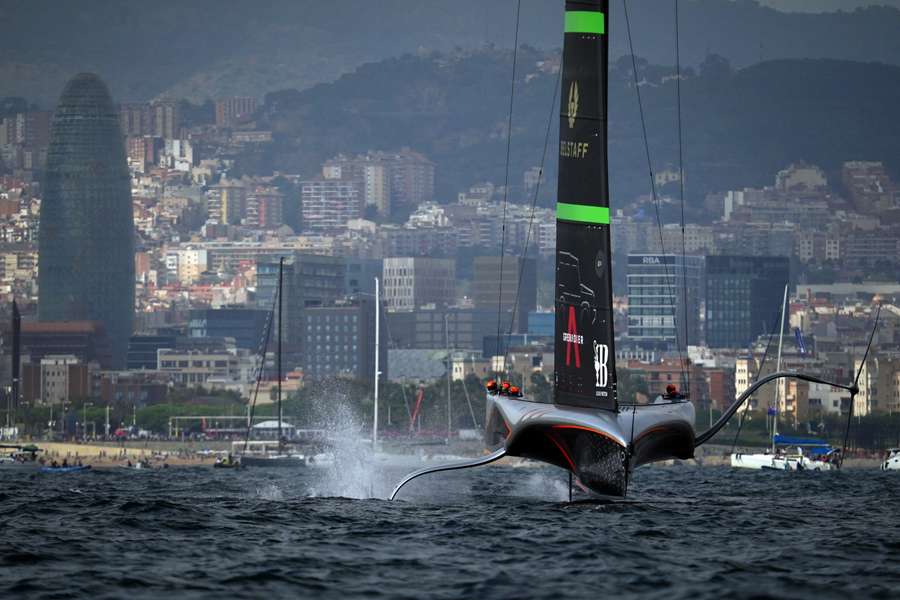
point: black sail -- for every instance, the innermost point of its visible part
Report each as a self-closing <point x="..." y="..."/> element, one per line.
<point x="585" y="373"/>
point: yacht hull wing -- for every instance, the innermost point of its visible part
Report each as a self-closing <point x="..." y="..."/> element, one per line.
<point x="599" y="447"/>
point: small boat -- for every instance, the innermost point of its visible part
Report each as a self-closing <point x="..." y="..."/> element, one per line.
<point x="139" y="465"/>
<point x="787" y="454"/>
<point x="892" y="462"/>
<point x="228" y="462"/>
<point x="72" y="469"/>
<point x="286" y="460"/>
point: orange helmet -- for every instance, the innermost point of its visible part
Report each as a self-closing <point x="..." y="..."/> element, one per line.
<point x="491" y="385"/>
<point x="514" y="390"/>
<point x="671" y="389"/>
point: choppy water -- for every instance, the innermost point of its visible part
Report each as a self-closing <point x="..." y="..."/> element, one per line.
<point x="492" y="533"/>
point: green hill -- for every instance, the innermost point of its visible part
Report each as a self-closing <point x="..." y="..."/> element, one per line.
<point x="740" y="127"/>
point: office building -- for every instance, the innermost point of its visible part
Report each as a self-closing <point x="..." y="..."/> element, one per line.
<point x="514" y="287"/>
<point x="659" y="313"/>
<point x="339" y="341"/>
<point x="412" y="282"/>
<point x="86" y="236"/>
<point x="743" y="298"/>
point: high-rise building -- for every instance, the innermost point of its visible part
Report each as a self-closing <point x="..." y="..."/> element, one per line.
<point x="87" y="226"/>
<point x="339" y="340"/>
<point x="135" y="119"/>
<point x="328" y="204"/>
<point x="33" y="128"/>
<point x="410" y="283"/>
<point x="227" y="203"/>
<point x="166" y="119"/>
<point x="743" y="297"/>
<point x="231" y="110"/>
<point x="412" y="177"/>
<point x="309" y="280"/>
<point x="656" y="299"/>
<point x="371" y="174"/>
<point x="265" y="209"/>
<point x="514" y="286"/>
<point x="143" y="151"/>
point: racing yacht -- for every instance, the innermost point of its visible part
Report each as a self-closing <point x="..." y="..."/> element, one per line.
<point x="586" y="430"/>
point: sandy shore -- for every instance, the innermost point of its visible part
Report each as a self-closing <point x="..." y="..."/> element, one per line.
<point x="113" y="455"/>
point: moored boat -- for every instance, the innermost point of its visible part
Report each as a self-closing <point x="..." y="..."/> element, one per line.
<point x="892" y="462"/>
<point x="67" y="469"/>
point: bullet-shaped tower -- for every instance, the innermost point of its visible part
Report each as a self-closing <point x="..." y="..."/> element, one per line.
<point x="86" y="243"/>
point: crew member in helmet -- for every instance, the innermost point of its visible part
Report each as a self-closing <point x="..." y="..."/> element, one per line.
<point x="672" y="393"/>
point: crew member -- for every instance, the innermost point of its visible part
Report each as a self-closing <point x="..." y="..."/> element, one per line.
<point x="672" y="393"/>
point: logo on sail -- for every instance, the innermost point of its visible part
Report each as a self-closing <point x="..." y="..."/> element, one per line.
<point x="601" y="370"/>
<point x="572" y="339"/>
<point x="573" y="104"/>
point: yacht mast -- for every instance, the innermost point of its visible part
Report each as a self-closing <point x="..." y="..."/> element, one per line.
<point x="377" y="357"/>
<point x="778" y="369"/>
<point x="449" y="375"/>
<point x="278" y="358"/>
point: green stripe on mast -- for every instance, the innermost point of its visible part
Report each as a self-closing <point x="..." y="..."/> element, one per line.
<point x="583" y="21"/>
<point x="583" y="213"/>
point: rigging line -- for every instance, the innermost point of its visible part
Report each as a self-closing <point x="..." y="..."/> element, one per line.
<point x="669" y="278"/>
<point x="262" y="366"/>
<point x="391" y="342"/>
<point x="537" y="189"/>
<point x="855" y="387"/>
<point x="681" y="187"/>
<point x="762" y="364"/>
<point x="512" y="95"/>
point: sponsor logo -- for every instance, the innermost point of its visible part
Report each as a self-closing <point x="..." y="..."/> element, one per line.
<point x="651" y="260"/>
<point x="573" y="340"/>
<point x="573" y="149"/>
<point x="601" y="360"/>
<point x="573" y="104"/>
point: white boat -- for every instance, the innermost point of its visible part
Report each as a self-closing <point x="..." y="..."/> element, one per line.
<point x="780" y="462"/>
<point x="892" y="462"/>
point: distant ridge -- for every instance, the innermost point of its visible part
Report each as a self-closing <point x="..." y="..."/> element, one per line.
<point x="196" y="49"/>
<point x="740" y="126"/>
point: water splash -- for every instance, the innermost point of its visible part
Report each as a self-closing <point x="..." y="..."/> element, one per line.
<point x="544" y="483"/>
<point x="270" y="492"/>
<point x="349" y="467"/>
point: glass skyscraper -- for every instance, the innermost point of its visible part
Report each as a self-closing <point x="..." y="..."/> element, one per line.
<point x="86" y="243"/>
<point x="743" y="297"/>
<point x="656" y="299"/>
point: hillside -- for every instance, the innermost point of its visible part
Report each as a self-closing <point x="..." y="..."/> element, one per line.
<point x="740" y="126"/>
<point x="205" y="48"/>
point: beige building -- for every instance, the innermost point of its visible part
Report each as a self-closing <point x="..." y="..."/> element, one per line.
<point x="57" y="379"/>
<point x="879" y="386"/>
<point x="412" y="282"/>
<point x="192" y="367"/>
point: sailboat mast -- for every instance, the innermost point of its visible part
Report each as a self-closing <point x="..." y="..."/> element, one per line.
<point x="449" y="374"/>
<point x="778" y="369"/>
<point x="278" y="357"/>
<point x="377" y="358"/>
<point x="16" y="359"/>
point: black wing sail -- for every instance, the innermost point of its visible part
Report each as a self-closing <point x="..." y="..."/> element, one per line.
<point x="585" y="373"/>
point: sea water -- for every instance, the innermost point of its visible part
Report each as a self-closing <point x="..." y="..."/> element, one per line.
<point x="493" y="532"/>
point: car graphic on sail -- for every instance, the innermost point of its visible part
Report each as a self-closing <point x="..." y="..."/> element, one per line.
<point x="570" y="285"/>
